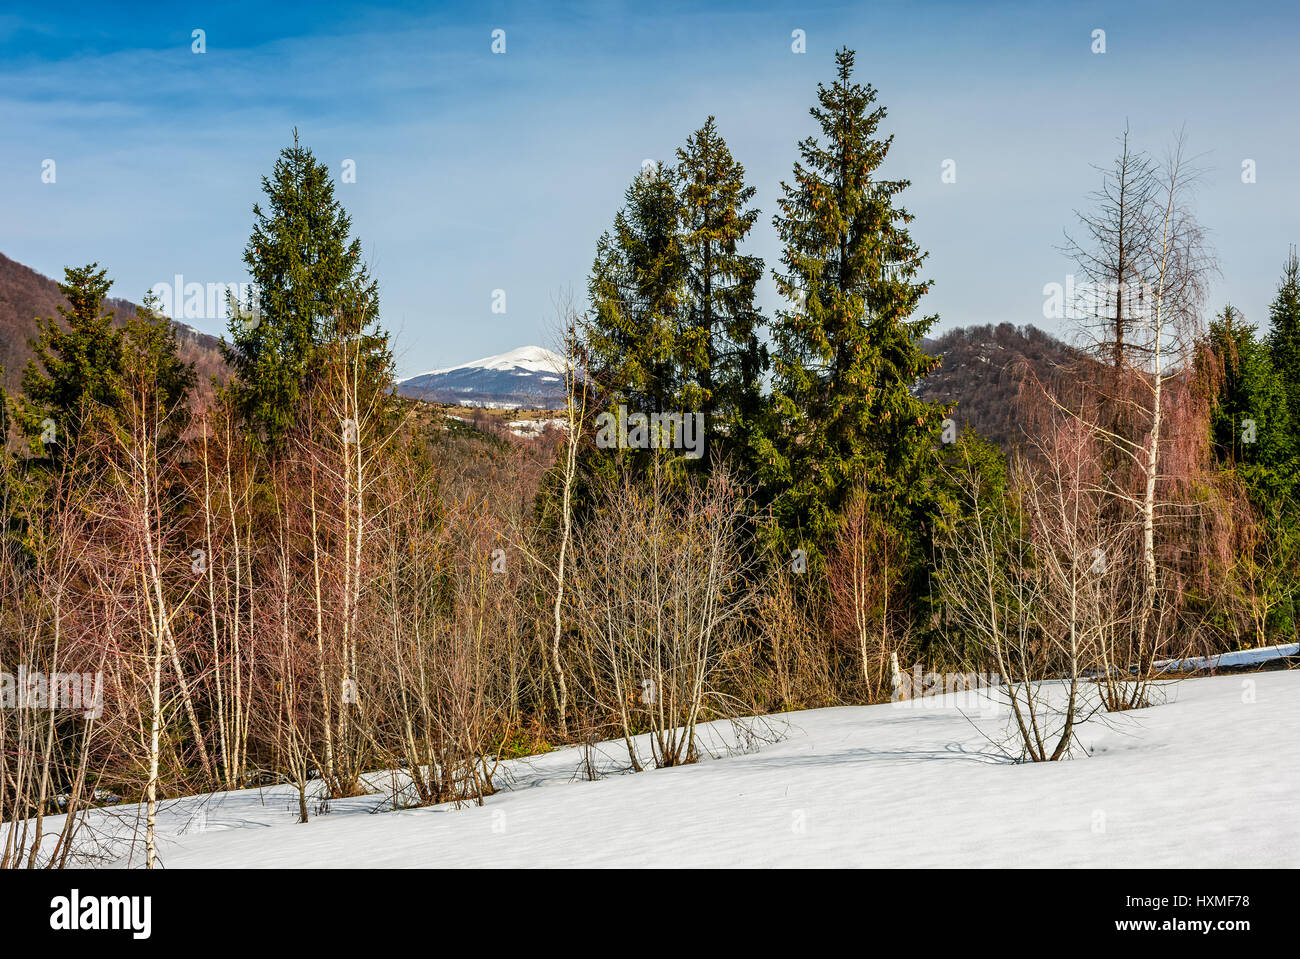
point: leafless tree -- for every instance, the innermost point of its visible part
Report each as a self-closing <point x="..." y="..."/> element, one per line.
<point x="139" y="522"/>
<point x="224" y="564"/>
<point x="864" y="569"/>
<point x="556" y="569"/>
<point x="1029" y="578"/>
<point x="49" y="760"/>
<point x="661" y="586"/>
<point x="1114" y="251"/>
<point x="1145" y="238"/>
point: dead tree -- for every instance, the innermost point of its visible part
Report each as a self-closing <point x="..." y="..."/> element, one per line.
<point x="1148" y="245"/>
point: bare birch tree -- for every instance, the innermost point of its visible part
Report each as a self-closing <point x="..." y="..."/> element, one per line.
<point x="1148" y="246"/>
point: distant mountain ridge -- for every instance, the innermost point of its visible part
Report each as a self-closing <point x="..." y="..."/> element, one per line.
<point x="26" y="295"/>
<point x="530" y="377"/>
<point x="986" y="371"/>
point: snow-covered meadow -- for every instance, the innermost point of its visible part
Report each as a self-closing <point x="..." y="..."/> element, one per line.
<point x="1207" y="778"/>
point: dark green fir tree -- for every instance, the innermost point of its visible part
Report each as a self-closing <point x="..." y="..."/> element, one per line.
<point x="673" y="326"/>
<point x="719" y="351"/>
<point x="847" y="355"/>
<point x="636" y="289"/>
<point x="307" y="270"/>
<point x="153" y="371"/>
<point x="77" y="369"/>
<point x="1251" y="423"/>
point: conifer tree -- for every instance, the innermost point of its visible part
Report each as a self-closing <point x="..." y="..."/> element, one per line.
<point x="81" y="372"/>
<point x="721" y="357"/>
<point x="1284" y="335"/>
<point x="846" y="356"/>
<point x="673" y="324"/>
<point x="1251" y="422"/>
<point x="308" y="272"/>
<point x="1253" y="435"/>
<point x="151" y="364"/>
<point x="636" y="290"/>
<point x="77" y="366"/>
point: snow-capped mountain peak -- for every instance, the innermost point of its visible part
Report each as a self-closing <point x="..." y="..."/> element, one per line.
<point x="535" y="359"/>
<point x="523" y="378"/>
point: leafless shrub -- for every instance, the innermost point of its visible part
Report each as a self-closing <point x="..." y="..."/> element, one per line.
<point x="865" y="572"/>
<point x="660" y="589"/>
<point x="50" y="765"/>
<point x="1034" y="577"/>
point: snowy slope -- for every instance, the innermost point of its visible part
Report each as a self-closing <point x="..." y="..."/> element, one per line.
<point x="1209" y="778"/>
<point x="530" y="377"/>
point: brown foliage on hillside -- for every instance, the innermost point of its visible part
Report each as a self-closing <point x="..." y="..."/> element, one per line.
<point x="990" y="373"/>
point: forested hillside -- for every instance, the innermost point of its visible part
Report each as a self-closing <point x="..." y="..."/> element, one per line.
<point x="26" y="295"/>
<point x="988" y="373"/>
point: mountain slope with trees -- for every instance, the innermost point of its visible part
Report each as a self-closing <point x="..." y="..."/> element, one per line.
<point x="26" y="296"/>
<point x="987" y="374"/>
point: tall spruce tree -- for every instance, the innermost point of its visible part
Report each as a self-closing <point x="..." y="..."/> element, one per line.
<point x="846" y="357"/>
<point x="1284" y="333"/>
<point x="308" y="272"/>
<point x="673" y="326"/>
<point x="721" y="356"/>
<point x="636" y="289"/>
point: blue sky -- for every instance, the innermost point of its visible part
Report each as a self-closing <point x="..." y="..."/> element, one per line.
<point x="478" y="172"/>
